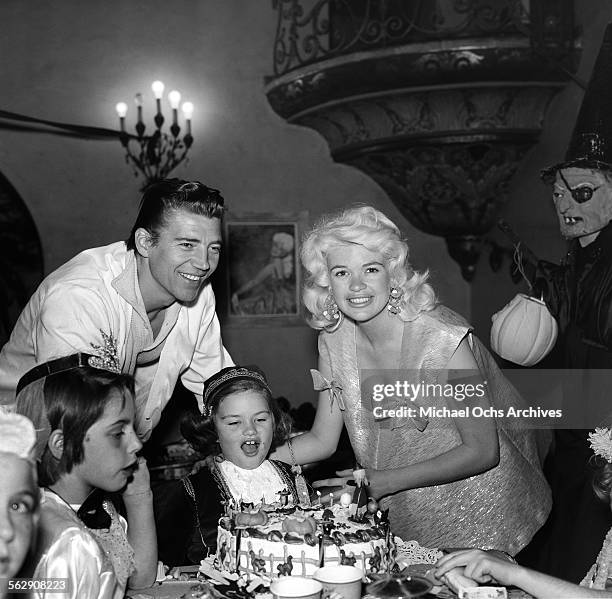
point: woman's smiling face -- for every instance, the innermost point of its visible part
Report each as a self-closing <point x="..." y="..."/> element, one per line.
<point x="245" y="427"/>
<point x="359" y="281"/>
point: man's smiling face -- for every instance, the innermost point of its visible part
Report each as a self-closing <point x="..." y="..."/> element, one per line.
<point x="181" y="259"/>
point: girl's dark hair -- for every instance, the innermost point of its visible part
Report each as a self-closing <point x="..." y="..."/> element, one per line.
<point x="162" y="197"/>
<point x="602" y="477"/>
<point x="200" y="432"/>
<point x="74" y="400"/>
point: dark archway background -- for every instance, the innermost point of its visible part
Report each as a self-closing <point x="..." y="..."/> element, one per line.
<point x="21" y="261"/>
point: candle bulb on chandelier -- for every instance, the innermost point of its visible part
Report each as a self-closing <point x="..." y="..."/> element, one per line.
<point x="121" y="109"/>
<point x="188" y="113"/>
<point x="140" y="126"/>
<point x="174" y="97"/>
<point x="158" y="91"/>
<point x="138" y="102"/>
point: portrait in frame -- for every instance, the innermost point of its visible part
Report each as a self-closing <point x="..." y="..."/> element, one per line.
<point x="263" y="276"/>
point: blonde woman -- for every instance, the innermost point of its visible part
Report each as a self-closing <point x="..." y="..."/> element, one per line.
<point x="450" y="481"/>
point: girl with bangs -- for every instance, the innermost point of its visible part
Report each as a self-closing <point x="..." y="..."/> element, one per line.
<point x="86" y="452"/>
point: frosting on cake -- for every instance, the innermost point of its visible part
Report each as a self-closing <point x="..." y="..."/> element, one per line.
<point x="287" y="541"/>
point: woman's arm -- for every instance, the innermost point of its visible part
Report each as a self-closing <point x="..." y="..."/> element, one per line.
<point x="482" y="567"/>
<point x="138" y="500"/>
<point x="321" y="441"/>
<point x="477" y="451"/>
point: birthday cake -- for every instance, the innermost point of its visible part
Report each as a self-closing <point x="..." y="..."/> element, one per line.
<point x="271" y="542"/>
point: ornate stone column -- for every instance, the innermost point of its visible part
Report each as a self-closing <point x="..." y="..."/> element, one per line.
<point x="437" y="101"/>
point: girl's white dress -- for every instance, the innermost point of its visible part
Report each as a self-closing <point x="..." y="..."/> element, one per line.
<point x="68" y="550"/>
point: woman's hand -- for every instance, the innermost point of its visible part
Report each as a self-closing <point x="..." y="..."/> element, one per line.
<point x="337" y="486"/>
<point x="378" y="484"/>
<point x="480" y="566"/>
<point x="140" y="482"/>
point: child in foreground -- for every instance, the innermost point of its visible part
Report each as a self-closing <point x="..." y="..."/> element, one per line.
<point x="487" y="568"/>
<point x="87" y="449"/>
<point x="239" y="424"/>
<point x="19" y="497"/>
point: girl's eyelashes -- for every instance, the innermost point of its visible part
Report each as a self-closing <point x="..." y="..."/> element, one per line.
<point x="117" y="432"/>
<point x="259" y="419"/>
<point x="22" y="505"/>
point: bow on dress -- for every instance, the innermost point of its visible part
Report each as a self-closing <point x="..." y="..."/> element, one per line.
<point x="92" y="512"/>
<point x="320" y="383"/>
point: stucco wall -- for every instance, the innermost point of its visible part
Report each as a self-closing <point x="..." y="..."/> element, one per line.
<point x="73" y="61"/>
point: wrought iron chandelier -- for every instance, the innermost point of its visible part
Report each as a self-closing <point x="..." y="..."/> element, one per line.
<point x="156" y="155"/>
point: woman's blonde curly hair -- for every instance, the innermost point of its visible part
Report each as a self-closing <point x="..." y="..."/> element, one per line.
<point x="370" y="228"/>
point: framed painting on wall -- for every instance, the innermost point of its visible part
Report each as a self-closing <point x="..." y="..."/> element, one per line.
<point x="263" y="269"/>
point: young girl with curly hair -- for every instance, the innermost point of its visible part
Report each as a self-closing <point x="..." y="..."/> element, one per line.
<point x="239" y="425"/>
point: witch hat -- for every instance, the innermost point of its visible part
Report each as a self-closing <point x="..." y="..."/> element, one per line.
<point x="591" y="143"/>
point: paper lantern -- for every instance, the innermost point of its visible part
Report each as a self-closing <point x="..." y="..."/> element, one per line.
<point x="523" y="331"/>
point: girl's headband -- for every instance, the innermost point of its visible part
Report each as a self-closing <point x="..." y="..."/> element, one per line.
<point x="229" y="375"/>
<point x="30" y="396"/>
<point x="105" y="358"/>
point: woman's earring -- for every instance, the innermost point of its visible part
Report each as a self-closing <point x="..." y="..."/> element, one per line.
<point x="395" y="300"/>
<point x="332" y="313"/>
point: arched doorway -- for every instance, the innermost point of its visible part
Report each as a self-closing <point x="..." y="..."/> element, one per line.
<point x="21" y="261"/>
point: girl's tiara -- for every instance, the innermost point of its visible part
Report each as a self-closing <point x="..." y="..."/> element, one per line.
<point x="601" y="443"/>
<point x="226" y="375"/>
<point x="104" y="358"/>
<point x="30" y="393"/>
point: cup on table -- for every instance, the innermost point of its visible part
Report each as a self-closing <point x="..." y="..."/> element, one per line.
<point x="296" y="587"/>
<point x="344" y="580"/>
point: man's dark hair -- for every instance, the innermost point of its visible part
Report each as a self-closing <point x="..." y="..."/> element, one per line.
<point x="167" y="195"/>
<point x="74" y="400"/>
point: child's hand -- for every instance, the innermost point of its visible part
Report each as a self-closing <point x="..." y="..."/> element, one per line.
<point x="140" y="482"/>
<point x="479" y="565"/>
